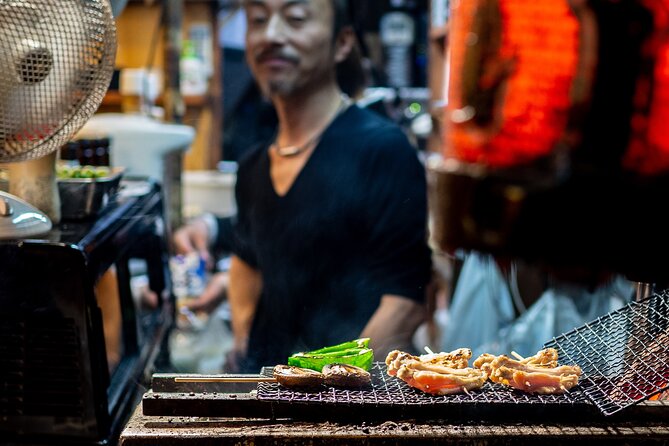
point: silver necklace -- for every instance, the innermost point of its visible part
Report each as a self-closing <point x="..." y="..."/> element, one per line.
<point x="289" y="151"/>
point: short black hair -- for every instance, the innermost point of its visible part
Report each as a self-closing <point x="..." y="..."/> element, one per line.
<point x="343" y="15"/>
<point x="351" y="75"/>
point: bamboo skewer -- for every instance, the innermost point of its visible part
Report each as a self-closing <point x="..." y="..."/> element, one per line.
<point x="517" y="356"/>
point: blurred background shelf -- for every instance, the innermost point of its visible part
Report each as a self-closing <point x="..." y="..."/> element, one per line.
<point x="113" y="99"/>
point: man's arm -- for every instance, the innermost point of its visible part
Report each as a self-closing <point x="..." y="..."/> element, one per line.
<point x="213" y="294"/>
<point x="243" y="295"/>
<point x="393" y="324"/>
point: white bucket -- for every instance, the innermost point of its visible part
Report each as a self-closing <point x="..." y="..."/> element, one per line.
<point x="208" y="191"/>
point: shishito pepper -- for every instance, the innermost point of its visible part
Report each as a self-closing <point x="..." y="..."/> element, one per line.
<point x="354" y="352"/>
<point x="356" y="343"/>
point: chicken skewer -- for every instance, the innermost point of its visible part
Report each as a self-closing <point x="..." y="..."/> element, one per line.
<point x="436" y="374"/>
<point x="537" y="374"/>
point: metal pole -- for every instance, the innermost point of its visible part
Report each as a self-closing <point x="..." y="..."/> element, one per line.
<point x="644" y="290"/>
<point x="173" y="103"/>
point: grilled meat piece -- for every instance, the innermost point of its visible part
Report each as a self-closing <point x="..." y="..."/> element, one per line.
<point x="543" y="358"/>
<point x="547" y="357"/>
<point x="483" y="363"/>
<point x="440" y="380"/>
<point x="457" y="359"/>
<point x="396" y="358"/>
<point x="537" y="374"/>
<point x="438" y="374"/>
<point x="346" y="375"/>
<point x="296" y="377"/>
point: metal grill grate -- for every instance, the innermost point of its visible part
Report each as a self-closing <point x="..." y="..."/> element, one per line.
<point x="624" y="355"/>
<point x="390" y="391"/>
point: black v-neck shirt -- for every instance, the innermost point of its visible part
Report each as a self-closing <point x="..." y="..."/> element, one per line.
<point x="351" y="228"/>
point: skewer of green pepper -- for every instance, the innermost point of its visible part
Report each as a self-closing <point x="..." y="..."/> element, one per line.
<point x="354" y="352"/>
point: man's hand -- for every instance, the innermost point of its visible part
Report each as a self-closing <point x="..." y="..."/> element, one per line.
<point x="212" y="295"/>
<point x="194" y="237"/>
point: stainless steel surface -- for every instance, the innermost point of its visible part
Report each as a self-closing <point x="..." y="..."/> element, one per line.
<point x="57" y="62"/>
<point x="87" y="197"/>
<point x="643" y="291"/>
<point x="186" y="383"/>
<point x="18" y="219"/>
<point x="224" y="379"/>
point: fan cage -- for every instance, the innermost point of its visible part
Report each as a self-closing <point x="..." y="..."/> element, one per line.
<point x="58" y="60"/>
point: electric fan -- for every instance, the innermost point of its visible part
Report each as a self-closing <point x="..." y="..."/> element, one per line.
<point x="56" y="62"/>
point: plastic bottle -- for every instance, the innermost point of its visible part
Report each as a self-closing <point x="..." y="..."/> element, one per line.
<point x="193" y="73"/>
<point x="86" y="152"/>
<point x="102" y="152"/>
<point x="397" y="32"/>
<point x="69" y="154"/>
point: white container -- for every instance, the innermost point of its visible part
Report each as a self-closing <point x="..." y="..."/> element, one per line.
<point x="208" y="191"/>
<point x="139" y="143"/>
<point x="139" y="89"/>
<point x="193" y="73"/>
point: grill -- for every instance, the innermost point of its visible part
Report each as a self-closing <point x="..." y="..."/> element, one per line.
<point x="388" y="398"/>
<point x="391" y="397"/>
<point x="390" y="391"/>
<point x="624" y="355"/>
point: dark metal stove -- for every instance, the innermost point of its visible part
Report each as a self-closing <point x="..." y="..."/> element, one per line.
<point x="56" y="385"/>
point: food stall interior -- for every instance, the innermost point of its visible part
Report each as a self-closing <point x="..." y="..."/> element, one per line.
<point x="75" y="352"/>
<point x="546" y="157"/>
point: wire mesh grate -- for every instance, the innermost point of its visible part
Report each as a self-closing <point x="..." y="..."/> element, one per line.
<point x="391" y="391"/>
<point x="57" y="63"/>
<point x="624" y="355"/>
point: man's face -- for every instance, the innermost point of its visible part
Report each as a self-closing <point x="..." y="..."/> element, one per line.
<point x="289" y="45"/>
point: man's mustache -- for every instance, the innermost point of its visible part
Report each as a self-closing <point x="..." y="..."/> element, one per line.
<point x="272" y="53"/>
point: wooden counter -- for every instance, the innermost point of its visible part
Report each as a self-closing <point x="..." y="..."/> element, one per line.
<point x="144" y="430"/>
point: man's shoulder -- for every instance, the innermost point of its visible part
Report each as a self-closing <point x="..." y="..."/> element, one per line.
<point x="364" y="121"/>
<point x="366" y="129"/>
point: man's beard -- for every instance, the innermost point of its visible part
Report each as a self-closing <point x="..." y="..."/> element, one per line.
<point x="280" y="87"/>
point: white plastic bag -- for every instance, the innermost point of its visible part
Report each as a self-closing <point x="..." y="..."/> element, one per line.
<point x="482" y="315"/>
<point x="557" y="311"/>
<point x="480" y="308"/>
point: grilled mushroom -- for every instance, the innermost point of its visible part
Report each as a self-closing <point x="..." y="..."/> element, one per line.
<point x="346" y="375"/>
<point x="291" y="376"/>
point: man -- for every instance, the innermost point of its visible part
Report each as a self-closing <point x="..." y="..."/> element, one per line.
<point x="330" y="238"/>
